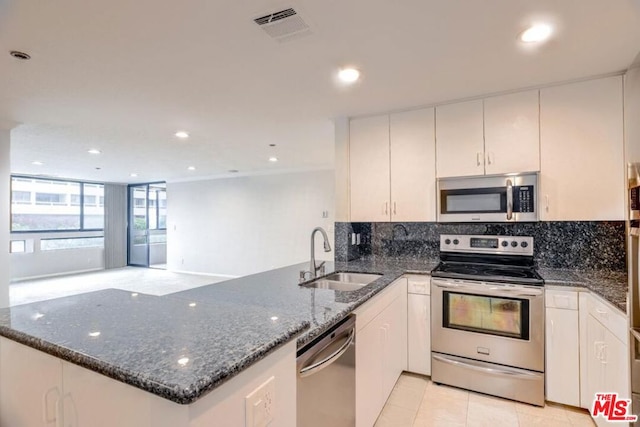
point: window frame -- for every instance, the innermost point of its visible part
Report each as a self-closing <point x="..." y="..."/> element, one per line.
<point x="66" y="181"/>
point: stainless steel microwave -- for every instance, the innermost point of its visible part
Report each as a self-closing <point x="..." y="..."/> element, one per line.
<point x="498" y="198"/>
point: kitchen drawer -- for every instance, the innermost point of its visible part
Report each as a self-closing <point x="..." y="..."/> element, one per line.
<point x="610" y="317"/>
<point x="561" y="299"/>
<point x="418" y="284"/>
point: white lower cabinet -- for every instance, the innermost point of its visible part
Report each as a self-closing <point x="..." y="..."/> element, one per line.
<point x="605" y="350"/>
<point x="419" y="325"/>
<point x="381" y="356"/>
<point x="37" y="389"/>
<point x="562" y="371"/>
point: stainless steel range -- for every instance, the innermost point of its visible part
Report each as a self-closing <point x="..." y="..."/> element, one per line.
<point x="487" y="305"/>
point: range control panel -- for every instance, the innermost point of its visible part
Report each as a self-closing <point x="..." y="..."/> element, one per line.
<point x="507" y="245"/>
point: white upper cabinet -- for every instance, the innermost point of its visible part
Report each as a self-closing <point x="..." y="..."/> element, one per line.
<point x="512" y="133"/>
<point x="413" y="166"/>
<point x="460" y="139"/>
<point x="392" y="167"/>
<point x="582" y="154"/>
<point x="369" y="169"/>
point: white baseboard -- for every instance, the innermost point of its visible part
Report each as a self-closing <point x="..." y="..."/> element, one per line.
<point x="65" y="273"/>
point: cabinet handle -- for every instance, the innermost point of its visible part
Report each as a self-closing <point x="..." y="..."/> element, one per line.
<point x="45" y="405"/>
<point x="604" y="354"/>
<point x="478" y="154"/>
<point x="489" y="160"/>
<point x="386" y="208"/>
<point x="60" y="421"/>
<point x="394" y="208"/>
<point x="546" y="198"/>
<point x="552" y="329"/>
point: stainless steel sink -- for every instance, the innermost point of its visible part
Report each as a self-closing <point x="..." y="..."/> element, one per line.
<point x="334" y="285"/>
<point x="346" y="282"/>
<point x="360" y="278"/>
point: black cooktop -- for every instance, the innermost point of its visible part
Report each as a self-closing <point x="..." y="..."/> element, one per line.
<point x="488" y="272"/>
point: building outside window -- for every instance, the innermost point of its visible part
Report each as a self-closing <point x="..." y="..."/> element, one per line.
<point x="53" y="205"/>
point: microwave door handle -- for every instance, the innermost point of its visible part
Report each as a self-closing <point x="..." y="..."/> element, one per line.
<point x="509" y="200"/>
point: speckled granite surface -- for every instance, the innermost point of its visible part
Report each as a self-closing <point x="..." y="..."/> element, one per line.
<point x="144" y="340"/>
<point x="612" y="286"/>
<point x="166" y="346"/>
<point x="596" y="245"/>
<point x="322" y="308"/>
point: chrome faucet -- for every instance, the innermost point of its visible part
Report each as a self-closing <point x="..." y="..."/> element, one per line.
<point x="313" y="268"/>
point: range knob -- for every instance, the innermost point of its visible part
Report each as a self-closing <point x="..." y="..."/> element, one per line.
<point x="514" y="244"/>
<point x="505" y="243"/>
<point x="456" y="241"/>
<point x="447" y="241"/>
<point x="524" y="244"/>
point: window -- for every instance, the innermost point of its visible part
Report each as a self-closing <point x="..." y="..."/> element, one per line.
<point x="55" y="205"/>
<point x="18" y="246"/>
<point x="71" y="243"/>
<point x="23" y="197"/>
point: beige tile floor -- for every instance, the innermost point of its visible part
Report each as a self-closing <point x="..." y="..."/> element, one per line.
<point x="417" y="402"/>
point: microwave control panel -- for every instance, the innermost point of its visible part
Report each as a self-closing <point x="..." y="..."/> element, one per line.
<point x="523" y="199"/>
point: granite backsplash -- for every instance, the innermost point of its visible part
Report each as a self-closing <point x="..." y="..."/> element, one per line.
<point x="597" y="245"/>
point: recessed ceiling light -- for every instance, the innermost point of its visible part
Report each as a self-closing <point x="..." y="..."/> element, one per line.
<point x="133" y="175"/>
<point x="536" y="33"/>
<point x="191" y="168"/>
<point x="20" y="55"/>
<point x="182" y="134"/>
<point x="37" y="163"/>
<point x="348" y="75"/>
<point x="94" y="151"/>
<point x="273" y="159"/>
<point x="94" y="334"/>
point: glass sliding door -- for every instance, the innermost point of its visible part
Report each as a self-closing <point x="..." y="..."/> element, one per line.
<point x="148" y="225"/>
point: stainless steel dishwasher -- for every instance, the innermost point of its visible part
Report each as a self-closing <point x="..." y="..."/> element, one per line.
<point x="326" y="388"/>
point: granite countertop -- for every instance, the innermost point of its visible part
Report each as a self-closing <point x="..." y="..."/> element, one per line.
<point x="182" y="345"/>
<point x="610" y="285"/>
<point x="166" y="346"/>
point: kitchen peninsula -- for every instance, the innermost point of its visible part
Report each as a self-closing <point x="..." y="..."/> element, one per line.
<point x="192" y="356"/>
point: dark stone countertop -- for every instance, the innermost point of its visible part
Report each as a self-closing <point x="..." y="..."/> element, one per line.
<point x="232" y="325"/>
<point x="610" y="285"/>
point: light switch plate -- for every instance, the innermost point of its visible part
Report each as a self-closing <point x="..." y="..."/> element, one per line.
<point x="260" y="405"/>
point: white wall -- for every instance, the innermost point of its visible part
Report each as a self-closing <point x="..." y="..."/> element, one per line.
<point x="5" y="183"/>
<point x="245" y="225"/>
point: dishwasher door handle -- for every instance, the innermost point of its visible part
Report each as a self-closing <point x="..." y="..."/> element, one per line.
<point x="318" y="366"/>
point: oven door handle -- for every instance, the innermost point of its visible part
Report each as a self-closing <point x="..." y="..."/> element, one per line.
<point x="488" y="290"/>
<point x="511" y="373"/>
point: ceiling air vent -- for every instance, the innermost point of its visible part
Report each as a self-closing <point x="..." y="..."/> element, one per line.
<point x="283" y="25"/>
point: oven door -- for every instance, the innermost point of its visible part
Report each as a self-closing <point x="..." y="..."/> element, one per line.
<point x="493" y="322"/>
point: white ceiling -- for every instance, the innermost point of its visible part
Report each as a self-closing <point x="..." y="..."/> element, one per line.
<point x="123" y="76"/>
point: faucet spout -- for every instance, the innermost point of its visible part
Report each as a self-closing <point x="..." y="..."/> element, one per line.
<point x="313" y="268"/>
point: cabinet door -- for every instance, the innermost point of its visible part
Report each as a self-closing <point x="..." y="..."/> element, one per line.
<point x="512" y="133"/>
<point x="369" y="169"/>
<point x="562" y="372"/>
<point x="94" y="400"/>
<point x="616" y="366"/>
<point x="413" y="166"/>
<point x="30" y="386"/>
<point x="595" y="380"/>
<point x="369" y="401"/>
<point x="460" y="139"/>
<point x="581" y="125"/>
<point x="419" y="334"/>
<point x="394" y="326"/>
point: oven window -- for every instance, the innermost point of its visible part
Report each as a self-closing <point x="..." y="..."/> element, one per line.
<point x="507" y="317"/>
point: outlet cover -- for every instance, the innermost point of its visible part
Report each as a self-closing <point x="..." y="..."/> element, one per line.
<point x="260" y="405"/>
